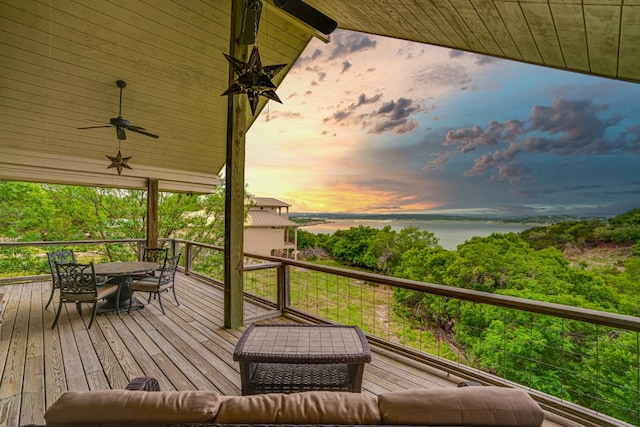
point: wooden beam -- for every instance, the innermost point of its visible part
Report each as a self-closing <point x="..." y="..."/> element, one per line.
<point x="234" y="189"/>
<point x="152" y="213"/>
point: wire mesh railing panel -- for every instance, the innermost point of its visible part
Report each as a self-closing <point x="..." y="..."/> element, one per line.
<point x="590" y="365"/>
<point x="262" y="284"/>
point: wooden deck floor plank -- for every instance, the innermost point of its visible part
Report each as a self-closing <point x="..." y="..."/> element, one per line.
<point x="137" y="329"/>
<point x="186" y="349"/>
<point x="113" y="354"/>
<point x="10" y="410"/>
<point x="423" y="376"/>
<point x="204" y="318"/>
<point x="11" y="381"/>
<point x="33" y="408"/>
<point x="217" y="359"/>
<point x="209" y="367"/>
<point x="88" y="357"/>
<point x="9" y="318"/>
<point x="74" y="372"/>
<point x="182" y="364"/>
<point x="54" y="372"/>
<point x="218" y="347"/>
<point x="172" y="377"/>
<point x="97" y="381"/>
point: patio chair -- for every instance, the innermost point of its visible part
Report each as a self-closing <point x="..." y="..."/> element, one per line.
<point x="61" y="257"/>
<point x="158" y="255"/>
<point x="155" y="285"/>
<point x="79" y="285"/>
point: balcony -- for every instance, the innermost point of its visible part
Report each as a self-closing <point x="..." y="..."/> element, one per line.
<point x="188" y="348"/>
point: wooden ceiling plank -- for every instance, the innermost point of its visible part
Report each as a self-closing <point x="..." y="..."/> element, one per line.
<point x="492" y="21"/>
<point x="432" y="9"/>
<point x="603" y="25"/>
<point x="569" y="23"/>
<point x="452" y="15"/>
<point x="106" y="97"/>
<point x="516" y="24"/>
<point x="476" y="25"/>
<point x="154" y="26"/>
<point x="542" y="27"/>
<point x="97" y="34"/>
<point x="428" y="29"/>
<point x="629" y="65"/>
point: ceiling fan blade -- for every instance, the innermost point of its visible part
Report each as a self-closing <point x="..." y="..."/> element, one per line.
<point x="142" y="131"/>
<point x="96" y="127"/>
<point x="120" y="133"/>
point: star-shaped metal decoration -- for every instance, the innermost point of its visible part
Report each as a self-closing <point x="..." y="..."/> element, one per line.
<point x="119" y="162"/>
<point x="253" y="79"/>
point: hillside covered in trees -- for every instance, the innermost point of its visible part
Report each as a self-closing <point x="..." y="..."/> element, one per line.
<point x="592" y="264"/>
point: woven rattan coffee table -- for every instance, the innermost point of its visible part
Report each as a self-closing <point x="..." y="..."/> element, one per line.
<point x="293" y="358"/>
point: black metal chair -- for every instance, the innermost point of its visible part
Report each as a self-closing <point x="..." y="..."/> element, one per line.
<point x="60" y="257"/>
<point x="155" y="285"/>
<point x="79" y="285"/>
<point x="158" y="255"/>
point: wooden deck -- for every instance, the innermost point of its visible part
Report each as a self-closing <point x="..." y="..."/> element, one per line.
<point x="186" y="349"/>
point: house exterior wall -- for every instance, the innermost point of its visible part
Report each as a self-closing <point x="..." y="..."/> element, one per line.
<point x="262" y="241"/>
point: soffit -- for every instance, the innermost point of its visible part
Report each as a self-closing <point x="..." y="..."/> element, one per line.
<point x="60" y="60"/>
<point x="600" y="37"/>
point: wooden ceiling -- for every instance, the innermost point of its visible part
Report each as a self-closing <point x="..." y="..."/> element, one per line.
<point x="60" y="59"/>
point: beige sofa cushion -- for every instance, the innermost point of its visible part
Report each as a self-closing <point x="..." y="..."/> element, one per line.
<point x="317" y="407"/>
<point x="133" y="406"/>
<point x="486" y="406"/>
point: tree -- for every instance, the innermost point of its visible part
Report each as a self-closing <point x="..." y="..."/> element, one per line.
<point x="42" y="212"/>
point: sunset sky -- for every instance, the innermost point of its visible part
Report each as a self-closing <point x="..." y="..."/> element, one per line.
<point x="377" y="125"/>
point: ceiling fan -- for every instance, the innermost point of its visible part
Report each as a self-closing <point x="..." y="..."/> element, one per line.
<point x="120" y="123"/>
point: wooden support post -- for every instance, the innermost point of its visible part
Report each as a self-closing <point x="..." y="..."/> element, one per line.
<point x="152" y="213"/>
<point x="234" y="175"/>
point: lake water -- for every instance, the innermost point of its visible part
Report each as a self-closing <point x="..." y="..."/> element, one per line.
<point x="450" y="233"/>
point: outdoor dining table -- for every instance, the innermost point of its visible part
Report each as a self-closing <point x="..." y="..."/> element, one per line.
<point x="121" y="272"/>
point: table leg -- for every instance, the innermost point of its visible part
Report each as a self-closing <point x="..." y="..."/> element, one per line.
<point x="109" y="305"/>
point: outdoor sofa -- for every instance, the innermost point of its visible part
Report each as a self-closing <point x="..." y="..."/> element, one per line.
<point x="143" y="404"/>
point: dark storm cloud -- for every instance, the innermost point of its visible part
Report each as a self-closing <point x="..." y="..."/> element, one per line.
<point x="363" y="100"/>
<point x="347" y="112"/>
<point x="566" y="128"/>
<point x="392" y="116"/>
<point x="304" y="60"/>
<point x="320" y="73"/>
<point x="346" y="42"/>
<point x="468" y="140"/>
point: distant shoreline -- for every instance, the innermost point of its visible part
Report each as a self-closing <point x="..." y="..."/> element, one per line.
<point x="308" y="219"/>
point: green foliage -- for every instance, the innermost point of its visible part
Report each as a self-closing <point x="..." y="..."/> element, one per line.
<point x="562" y="234"/>
<point x="34" y="212"/>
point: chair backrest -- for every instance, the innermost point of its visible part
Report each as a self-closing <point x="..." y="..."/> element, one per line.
<point x="158" y="255"/>
<point x="59" y="257"/>
<point x="77" y="279"/>
<point x="169" y="270"/>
